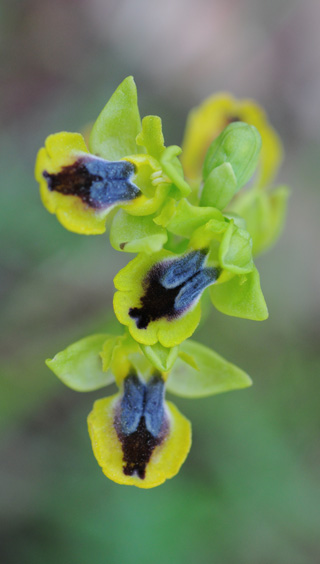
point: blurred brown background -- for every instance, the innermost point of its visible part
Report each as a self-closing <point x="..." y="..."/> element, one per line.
<point x="250" y="491"/>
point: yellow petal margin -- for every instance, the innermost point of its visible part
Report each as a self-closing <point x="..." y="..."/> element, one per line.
<point x="166" y="459"/>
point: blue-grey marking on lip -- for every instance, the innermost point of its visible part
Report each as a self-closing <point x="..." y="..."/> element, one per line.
<point x="140" y="400"/>
<point x="180" y="270"/>
<point x="132" y="404"/>
<point x="97" y="182"/>
<point x="154" y="407"/>
<point x="194" y="286"/>
<point x="172" y="286"/>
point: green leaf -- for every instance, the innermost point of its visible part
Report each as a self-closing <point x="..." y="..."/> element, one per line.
<point x="212" y="374"/>
<point x="113" y="135"/>
<point x="235" y="252"/>
<point x="162" y="358"/>
<point x="79" y="366"/>
<point x="173" y="169"/>
<point x="134" y="234"/>
<point x="151" y="136"/>
<point x="240" y="297"/>
<point x="235" y="152"/>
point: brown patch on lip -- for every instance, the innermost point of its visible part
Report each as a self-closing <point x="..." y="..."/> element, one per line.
<point x="232" y="119"/>
<point x="137" y="450"/>
<point x="157" y="301"/>
<point x="122" y="245"/>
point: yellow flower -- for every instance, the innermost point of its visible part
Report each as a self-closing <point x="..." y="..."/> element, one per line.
<point x="158" y="297"/>
<point x="206" y="121"/>
<point x="137" y="438"/>
<point x="81" y="188"/>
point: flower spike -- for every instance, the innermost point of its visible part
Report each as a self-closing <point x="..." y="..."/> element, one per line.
<point x="189" y="235"/>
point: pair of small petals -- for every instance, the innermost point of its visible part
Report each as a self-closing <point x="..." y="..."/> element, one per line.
<point x="206" y="122"/>
<point x="158" y="296"/>
<point x="137" y="438"/>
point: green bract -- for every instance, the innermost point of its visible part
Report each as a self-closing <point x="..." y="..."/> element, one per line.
<point x="195" y="245"/>
<point x="230" y="162"/>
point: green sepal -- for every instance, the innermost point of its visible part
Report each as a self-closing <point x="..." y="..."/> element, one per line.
<point x="235" y="152"/>
<point x="151" y="136"/>
<point x="187" y="218"/>
<point x="241" y="296"/>
<point x="114" y="133"/>
<point x="167" y="211"/>
<point x="236" y="218"/>
<point x="173" y="169"/>
<point x="201" y="372"/>
<point x="264" y="213"/>
<point x="135" y="234"/>
<point x="209" y="235"/>
<point x="79" y="366"/>
<point x="235" y="252"/>
<point x="106" y="353"/>
<point x="162" y="358"/>
<point x="219" y="187"/>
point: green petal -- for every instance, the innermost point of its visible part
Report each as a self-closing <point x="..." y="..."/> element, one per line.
<point x="187" y="218"/>
<point x="151" y="136"/>
<point x="114" y="133"/>
<point x="134" y="234"/>
<point x="211" y="374"/>
<point x="173" y="168"/>
<point x="235" y="152"/>
<point x="79" y="366"/>
<point x="241" y="297"/>
<point x="235" y="253"/>
<point x="161" y="357"/>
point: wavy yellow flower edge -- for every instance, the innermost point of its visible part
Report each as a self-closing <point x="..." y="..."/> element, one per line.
<point x="166" y="459"/>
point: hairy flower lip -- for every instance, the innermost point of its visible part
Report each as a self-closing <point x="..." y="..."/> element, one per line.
<point x="98" y="183"/>
<point x="141" y="422"/>
<point x="166" y="458"/>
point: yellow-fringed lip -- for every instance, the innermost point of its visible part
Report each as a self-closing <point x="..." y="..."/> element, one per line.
<point x="64" y="150"/>
<point x="166" y="459"/>
<point x="206" y="122"/>
<point x="61" y="149"/>
<point x="129" y="282"/>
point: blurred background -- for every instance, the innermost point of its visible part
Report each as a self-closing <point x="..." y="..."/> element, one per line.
<point x="249" y="491"/>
